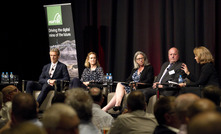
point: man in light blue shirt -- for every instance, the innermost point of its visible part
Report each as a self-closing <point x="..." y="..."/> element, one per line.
<point x="81" y="101"/>
<point x="100" y="118"/>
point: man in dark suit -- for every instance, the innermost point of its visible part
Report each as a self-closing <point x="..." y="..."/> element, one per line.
<point x="170" y="71"/>
<point x="164" y="112"/>
<point x="51" y="73"/>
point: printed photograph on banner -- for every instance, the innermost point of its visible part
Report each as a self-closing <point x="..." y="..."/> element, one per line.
<point x="68" y="56"/>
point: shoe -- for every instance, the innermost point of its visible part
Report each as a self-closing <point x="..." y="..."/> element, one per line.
<point x="116" y="108"/>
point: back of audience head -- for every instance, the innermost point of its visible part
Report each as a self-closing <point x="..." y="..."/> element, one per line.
<point x="96" y="95"/>
<point x="136" y="101"/>
<point x="24" y="108"/>
<point x="60" y="119"/>
<point x="205" y="123"/>
<point x="164" y="111"/>
<point x="81" y="101"/>
<point x="25" y="128"/>
<point x="199" y="106"/>
<point x="212" y="93"/>
<point x="182" y="104"/>
<point x="9" y="92"/>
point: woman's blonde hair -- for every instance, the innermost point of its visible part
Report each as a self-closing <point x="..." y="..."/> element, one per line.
<point x="87" y="64"/>
<point x="145" y="59"/>
<point x="203" y="54"/>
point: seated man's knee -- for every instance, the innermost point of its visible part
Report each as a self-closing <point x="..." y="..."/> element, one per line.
<point x="30" y="83"/>
<point x="47" y="88"/>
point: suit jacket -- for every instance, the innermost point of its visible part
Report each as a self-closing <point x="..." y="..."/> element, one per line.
<point x="208" y="76"/>
<point x="174" y="77"/>
<point x="147" y="76"/>
<point x="162" y="130"/>
<point x="60" y="73"/>
<point x="176" y="71"/>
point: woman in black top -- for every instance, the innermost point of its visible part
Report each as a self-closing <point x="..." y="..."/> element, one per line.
<point x="92" y="73"/>
<point x="208" y="75"/>
<point x="142" y="73"/>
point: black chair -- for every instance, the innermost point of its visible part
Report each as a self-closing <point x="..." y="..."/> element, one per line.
<point x="168" y="87"/>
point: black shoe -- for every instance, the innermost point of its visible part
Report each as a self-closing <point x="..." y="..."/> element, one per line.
<point x="116" y="108"/>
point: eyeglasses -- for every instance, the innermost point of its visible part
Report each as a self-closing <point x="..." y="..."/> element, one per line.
<point x="140" y="58"/>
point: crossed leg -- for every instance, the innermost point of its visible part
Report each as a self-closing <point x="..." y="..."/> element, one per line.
<point x="117" y="98"/>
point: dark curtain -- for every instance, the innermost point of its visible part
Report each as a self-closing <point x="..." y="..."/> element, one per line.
<point x="153" y="26"/>
<point x="115" y="30"/>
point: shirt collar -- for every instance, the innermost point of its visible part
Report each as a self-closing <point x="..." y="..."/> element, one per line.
<point x="172" y="129"/>
<point x="54" y="64"/>
<point x="96" y="105"/>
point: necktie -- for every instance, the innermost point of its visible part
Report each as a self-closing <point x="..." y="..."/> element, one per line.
<point x="51" y="72"/>
<point x="165" y="71"/>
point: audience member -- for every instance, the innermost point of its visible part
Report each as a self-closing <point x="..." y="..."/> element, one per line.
<point x="142" y="73"/>
<point x="213" y="93"/>
<point x="170" y="71"/>
<point x="59" y="97"/>
<point x="136" y="121"/>
<point x="24" y="108"/>
<point x="164" y="111"/>
<point x="25" y="128"/>
<point x="208" y="74"/>
<point x="2" y="120"/>
<point x="100" y="118"/>
<point x="51" y="74"/>
<point x="205" y="123"/>
<point x="60" y="119"/>
<point x="81" y="101"/>
<point x="92" y="73"/>
<point x="8" y="94"/>
<point x="182" y="104"/>
<point x="1" y="100"/>
<point x="199" y="106"/>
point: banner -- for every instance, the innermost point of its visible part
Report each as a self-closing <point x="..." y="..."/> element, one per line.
<point x="61" y="34"/>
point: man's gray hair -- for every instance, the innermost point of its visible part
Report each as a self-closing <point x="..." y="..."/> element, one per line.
<point x="81" y="101"/>
<point x="54" y="49"/>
